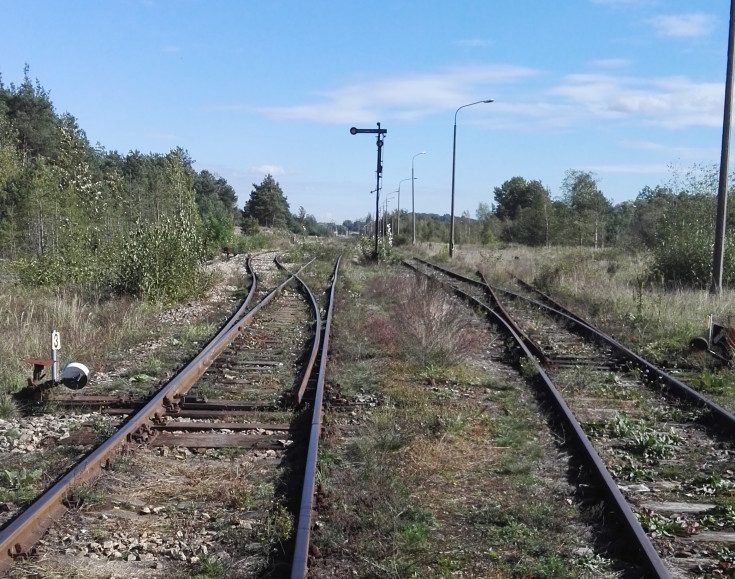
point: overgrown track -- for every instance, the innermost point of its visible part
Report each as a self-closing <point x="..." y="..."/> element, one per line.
<point x="663" y="454"/>
<point x="211" y="470"/>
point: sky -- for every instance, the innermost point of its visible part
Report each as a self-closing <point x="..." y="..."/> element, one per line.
<point x="629" y="90"/>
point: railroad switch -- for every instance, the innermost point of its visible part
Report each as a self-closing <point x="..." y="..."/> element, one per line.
<point x="74" y="376"/>
<point x="39" y="367"/>
<point x="36" y="385"/>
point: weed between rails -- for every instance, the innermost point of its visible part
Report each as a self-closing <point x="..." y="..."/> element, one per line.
<point x="448" y="475"/>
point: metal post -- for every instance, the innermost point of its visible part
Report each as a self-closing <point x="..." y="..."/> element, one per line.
<point x="398" y="216"/>
<point x="54" y="366"/>
<point x="379" y="171"/>
<point x="413" y="210"/>
<point x="377" y="189"/>
<point x="398" y="225"/>
<point x="721" y="223"/>
<point x="454" y="158"/>
<point x="55" y="346"/>
<point x="413" y="206"/>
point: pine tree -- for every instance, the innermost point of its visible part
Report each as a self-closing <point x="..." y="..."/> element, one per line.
<point x="267" y="204"/>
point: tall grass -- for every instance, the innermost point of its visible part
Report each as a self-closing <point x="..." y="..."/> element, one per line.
<point x="612" y="288"/>
<point x="90" y="330"/>
<point x="424" y="323"/>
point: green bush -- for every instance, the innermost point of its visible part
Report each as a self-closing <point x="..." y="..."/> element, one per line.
<point x="684" y="243"/>
<point x="248" y="243"/>
<point x="162" y="261"/>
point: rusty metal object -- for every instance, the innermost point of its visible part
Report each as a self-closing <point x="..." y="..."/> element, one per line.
<point x="19" y="535"/>
<point x="722" y="337"/>
<point x="300" y="561"/>
<point x="39" y="366"/>
<point x="640" y="542"/>
<point x="299" y="393"/>
<point x="234" y="426"/>
<point x="36" y="386"/>
<point x="94" y="401"/>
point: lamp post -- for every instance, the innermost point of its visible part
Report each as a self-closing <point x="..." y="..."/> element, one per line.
<point x="398" y="227"/>
<point x="454" y="158"/>
<point x="385" y="214"/>
<point x="413" y="207"/>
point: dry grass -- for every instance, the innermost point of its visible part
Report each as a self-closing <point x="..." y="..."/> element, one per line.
<point x="422" y="322"/>
<point x="95" y="332"/>
<point x="612" y="289"/>
<point x="89" y="331"/>
<point x="455" y="474"/>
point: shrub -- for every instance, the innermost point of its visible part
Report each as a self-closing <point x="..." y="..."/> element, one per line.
<point x="158" y="262"/>
<point x="431" y="327"/>
<point x="385" y="245"/>
<point x="684" y="243"/>
<point x="161" y="261"/>
<point x="248" y="243"/>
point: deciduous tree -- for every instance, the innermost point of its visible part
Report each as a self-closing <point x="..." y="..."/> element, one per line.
<point x="582" y="194"/>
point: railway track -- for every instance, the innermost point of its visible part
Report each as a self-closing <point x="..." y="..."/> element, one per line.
<point x="215" y="471"/>
<point x="662" y="453"/>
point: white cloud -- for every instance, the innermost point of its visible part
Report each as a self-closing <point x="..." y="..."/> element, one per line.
<point x="574" y="99"/>
<point x="671" y="102"/>
<point x="684" y="25"/>
<point x="408" y="97"/>
<point x="268" y="170"/>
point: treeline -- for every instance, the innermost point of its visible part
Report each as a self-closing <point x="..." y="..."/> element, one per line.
<point x="71" y="213"/>
<point x="674" y="222"/>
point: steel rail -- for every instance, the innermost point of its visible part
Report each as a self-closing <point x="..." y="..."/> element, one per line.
<point x="299" y="567"/>
<point x="647" y="553"/>
<point x="244" y="306"/>
<point x="678" y="387"/>
<point x="299" y="392"/>
<point x="19" y="535"/>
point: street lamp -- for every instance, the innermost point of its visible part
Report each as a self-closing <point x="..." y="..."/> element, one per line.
<point x="398" y="229"/>
<point x="454" y="158"/>
<point x="385" y="214"/>
<point x="413" y="207"/>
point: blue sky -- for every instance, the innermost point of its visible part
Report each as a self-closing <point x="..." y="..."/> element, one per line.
<point x="622" y="88"/>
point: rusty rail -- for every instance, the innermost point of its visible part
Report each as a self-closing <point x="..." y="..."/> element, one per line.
<point x="299" y="567"/>
<point x="299" y="393"/>
<point x="677" y="387"/>
<point x="640" y="542"/>
<point x="21" y="533"/>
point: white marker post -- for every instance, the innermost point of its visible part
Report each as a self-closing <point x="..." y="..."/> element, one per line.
<point x="55" y="346"/>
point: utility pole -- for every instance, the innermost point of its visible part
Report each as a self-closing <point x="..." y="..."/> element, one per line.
<point x="721" y="224"/>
